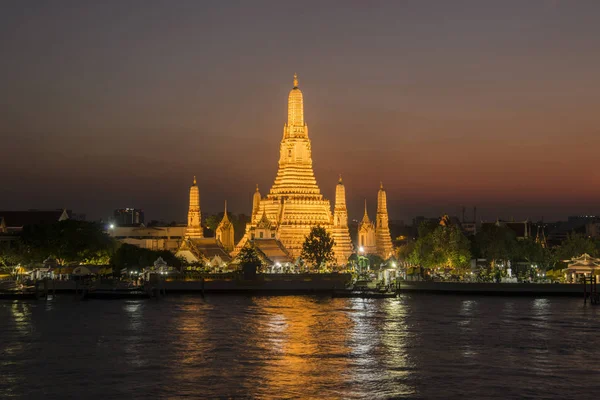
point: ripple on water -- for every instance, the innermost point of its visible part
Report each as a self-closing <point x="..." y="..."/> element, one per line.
<point x="417" y="346"/>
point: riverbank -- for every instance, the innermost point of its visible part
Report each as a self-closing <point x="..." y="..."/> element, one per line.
<point x="494" y="289"/>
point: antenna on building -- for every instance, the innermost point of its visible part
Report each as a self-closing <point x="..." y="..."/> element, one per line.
<point x="475" y="214"/>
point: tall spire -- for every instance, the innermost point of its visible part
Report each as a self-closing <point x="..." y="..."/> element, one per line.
<point x="366" y="214"/>
<point x="224" y="232"/>
<point x="340" y="232"/>
<point x="194" y="226"/>
<point x="295" y="108"/>
<point x="382" y="229"/>
<point x="256" y="203"/>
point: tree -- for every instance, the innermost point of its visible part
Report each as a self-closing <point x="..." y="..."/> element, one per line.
<point x="317" y="249"/>
<point x="496" y="243"/>
<point x="443" y="247"/>
<point x="575" y="245"/>
<point x="248" y="257"/>
<point x="69" y="242"/>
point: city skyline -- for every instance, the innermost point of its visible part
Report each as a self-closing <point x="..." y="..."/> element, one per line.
<point x="449" y="105"/>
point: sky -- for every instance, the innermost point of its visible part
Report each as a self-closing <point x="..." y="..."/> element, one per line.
<point x="113" y="104"/>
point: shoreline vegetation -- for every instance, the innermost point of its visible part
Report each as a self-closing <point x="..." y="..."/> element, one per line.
<point x="441" y="257"/>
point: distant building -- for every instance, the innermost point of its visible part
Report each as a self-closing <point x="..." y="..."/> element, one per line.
<point x="14" y="221"/>
<point x="522" y="229"/>
<point x="128" y="216"/>
<point x="152" y="238"/>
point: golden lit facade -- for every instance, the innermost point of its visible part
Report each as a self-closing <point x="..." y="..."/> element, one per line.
<point x="383" y="237"/>
<point x="225" y="232"/>
<point x="294" y="204"/>
<point x="366" y="235"/>
<point x="340" y="231"/>
<point x="194" y="227"/>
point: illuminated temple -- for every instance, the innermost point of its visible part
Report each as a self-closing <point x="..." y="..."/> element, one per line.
<point x="295" y="204"/>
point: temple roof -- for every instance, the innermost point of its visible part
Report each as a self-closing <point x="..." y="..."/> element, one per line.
<point x="207" y="247"/>
<point x="585" y="260"/>
<point x="273" y="250"/>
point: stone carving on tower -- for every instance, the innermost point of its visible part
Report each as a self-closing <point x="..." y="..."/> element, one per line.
<point x="194" y="227"/>
<point x="382" y="229"/>
<point x="366" y="235"/>
<point x="294" y="204"/>
<point x="340" y="232"/>
<point x="225" y="232"/>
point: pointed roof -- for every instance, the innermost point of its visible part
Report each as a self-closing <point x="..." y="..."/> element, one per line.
<point x="365" y="219"/>
<point x="340" y="180"/>
<point x="225" y="221"/>
<point x="264" y="221"/>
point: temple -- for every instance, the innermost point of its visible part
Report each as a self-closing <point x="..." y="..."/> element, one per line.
<point x="376" y="238"/>
<point x="382" y="229"/>
<point x="195" y="248"/>
<point x="340" y="231"/>
<point x="225" y="233"/>
<point x="366" y="235"/>
<point x="194" y="227"/>
<point x="295" y="205"/>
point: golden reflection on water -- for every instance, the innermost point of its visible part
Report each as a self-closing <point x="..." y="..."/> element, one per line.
<point x="299" y="330"/>
<point x="395" y="338"/>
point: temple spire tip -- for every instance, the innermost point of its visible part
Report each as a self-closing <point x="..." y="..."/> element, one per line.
<point x="194" y="179"/>
<point x="295" y="80"/>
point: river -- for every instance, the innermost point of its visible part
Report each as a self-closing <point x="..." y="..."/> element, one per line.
<point x="416" y="346"/>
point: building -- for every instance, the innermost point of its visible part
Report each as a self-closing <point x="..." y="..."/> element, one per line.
<point x="376" y="238"/>
<point x="294" y="205"/>
<point x="340" y="231"/>
<point x="584" y="265"/>
<point x="383" y="239"/>
<point x="152" y="238"/>
<point x="14" y="221"/>
<point x="206" y="251"/>
<point x="195" y="248"/>
<point x="128" y="216"/>
<point x="522" y="229"/>
<point x="194" y="228"/>
<point x="225" y="233"/>
<point x="367" y="243"/>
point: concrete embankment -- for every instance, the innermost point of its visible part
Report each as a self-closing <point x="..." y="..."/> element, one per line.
<point x="271" y="283"/>
<point x="500" y="289"/>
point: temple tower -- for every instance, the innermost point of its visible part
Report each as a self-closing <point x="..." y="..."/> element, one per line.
<point x="366" y="235"/>
<point x="225" y="232"/>
<point x="382" y="229"/>
<point x="256" y="202"/>
<point x="294" y="205"/>
<point x="194" y="227"/>
<point x="340" y="232"/>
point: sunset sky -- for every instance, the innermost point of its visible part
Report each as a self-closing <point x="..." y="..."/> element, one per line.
<point x="110" y="104"/>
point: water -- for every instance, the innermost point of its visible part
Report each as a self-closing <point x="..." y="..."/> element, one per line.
<point x="418" y="346"/>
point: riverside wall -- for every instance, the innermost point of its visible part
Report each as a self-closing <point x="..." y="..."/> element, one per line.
<point x="511" y="289"/>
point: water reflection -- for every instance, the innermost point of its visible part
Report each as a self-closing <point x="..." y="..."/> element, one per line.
<point x="418" y="346"/>
<point x="309" y="350"/>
